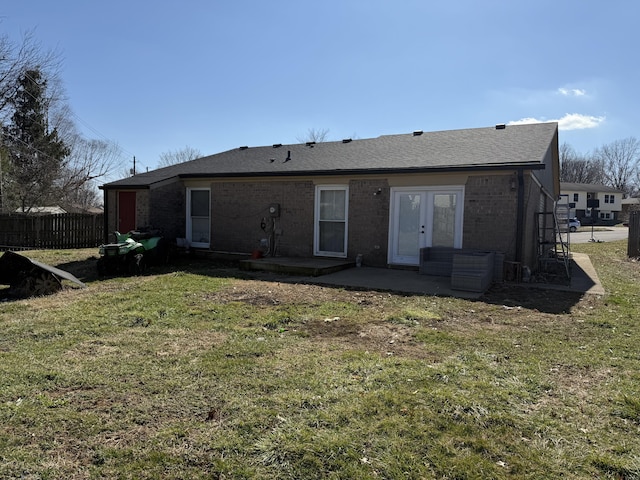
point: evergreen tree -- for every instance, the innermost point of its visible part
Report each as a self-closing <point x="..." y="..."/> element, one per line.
<point x="35" y="152"/>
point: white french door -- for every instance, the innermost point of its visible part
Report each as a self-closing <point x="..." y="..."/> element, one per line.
<point x="423" y="217"/>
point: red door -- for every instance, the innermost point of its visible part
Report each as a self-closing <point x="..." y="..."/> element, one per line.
<point x="126" y="211"/>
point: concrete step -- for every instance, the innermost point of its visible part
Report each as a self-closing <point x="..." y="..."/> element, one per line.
<point x="314" y="267"/>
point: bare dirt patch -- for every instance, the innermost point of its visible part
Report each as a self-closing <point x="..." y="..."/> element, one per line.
<point x="374" y="330"/>
<point x="371" y="331"/>
<point x="259" y="292"/>
<point x="384" y="338"/>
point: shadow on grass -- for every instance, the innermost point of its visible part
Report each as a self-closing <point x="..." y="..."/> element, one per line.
<point x="87" y="271"/>
<point x="547" y="301"/>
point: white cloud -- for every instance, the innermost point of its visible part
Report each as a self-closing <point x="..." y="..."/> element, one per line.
<point x="572" y="92"/>
<point x="570" y="121"/>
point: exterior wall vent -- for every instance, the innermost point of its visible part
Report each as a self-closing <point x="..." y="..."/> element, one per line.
<point x="417" y="133"/>
<point x="501" y="126"/>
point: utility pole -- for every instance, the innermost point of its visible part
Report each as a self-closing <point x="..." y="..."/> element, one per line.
<point x="1" y="183"/>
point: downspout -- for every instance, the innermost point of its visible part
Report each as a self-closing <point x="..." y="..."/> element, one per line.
<point x="105" y="220"/>
<point x="520" y="217"/>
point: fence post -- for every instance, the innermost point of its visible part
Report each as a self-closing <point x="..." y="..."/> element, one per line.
<point x="633" y="242"/>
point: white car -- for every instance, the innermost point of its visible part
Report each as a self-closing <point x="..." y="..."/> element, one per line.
<point x="574" y="224"/>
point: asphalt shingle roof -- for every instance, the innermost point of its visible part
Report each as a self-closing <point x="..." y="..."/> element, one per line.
<point x="514" y="145"/>
<point x="587" y="187"/>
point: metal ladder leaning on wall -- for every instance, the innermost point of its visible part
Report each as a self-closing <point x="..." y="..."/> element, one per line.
<point x="553" y="240"/>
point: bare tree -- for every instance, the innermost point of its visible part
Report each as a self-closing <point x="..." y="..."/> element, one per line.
<point x="30" y="75"/>
<point x="620" y="160"/>
<point x="576" y="168"/>
<point x="16" y="59"/>
<point x="185" y="154"/>
<point x="88" y="161"/>
<point x="314" y="135"/>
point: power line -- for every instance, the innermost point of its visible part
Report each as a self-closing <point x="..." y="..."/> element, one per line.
<point x="86" y="124"/>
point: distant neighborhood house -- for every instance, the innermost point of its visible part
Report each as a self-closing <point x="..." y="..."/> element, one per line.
<point x="51" y="210"/>
<point x="58" y="210"/>
<point x="593" y="203"/>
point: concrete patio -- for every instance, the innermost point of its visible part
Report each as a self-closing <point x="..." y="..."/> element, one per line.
<point x="338" y="273"/>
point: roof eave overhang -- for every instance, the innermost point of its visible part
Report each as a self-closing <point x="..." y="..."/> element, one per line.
<point x="146" y="186"/>
<point x="370" y="171"/>
<point x="337" y="172"/>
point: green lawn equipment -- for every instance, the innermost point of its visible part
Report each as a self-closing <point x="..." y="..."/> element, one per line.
<point x="132" y="252"/>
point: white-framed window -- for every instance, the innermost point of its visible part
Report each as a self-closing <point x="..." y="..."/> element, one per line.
<point x="605" y="216"/>
<point x="199" y="217"/>
<point x="576" y="197"/>
<point x="331" y="220"/>
<point x="609" y="199"/>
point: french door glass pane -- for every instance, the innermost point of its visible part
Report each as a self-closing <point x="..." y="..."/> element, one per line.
<point x="409" y="224"/>
<point x="444" y="219"/>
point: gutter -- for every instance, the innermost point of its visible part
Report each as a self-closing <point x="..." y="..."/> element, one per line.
<point x="105" y="219"/>
<point x="520" y="216"/>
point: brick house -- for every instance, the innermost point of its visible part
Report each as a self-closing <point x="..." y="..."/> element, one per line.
<point x="383" y="198"/>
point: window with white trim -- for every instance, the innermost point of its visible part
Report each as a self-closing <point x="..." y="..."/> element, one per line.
<point x="331" y="225"/>
<point x="199" y="217"/>
<point x="576" y="197"/>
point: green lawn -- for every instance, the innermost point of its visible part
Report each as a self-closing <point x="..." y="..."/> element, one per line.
<point x="199" y="371"/>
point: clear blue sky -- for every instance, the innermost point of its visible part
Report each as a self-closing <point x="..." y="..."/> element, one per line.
<point x="155" y="76"/>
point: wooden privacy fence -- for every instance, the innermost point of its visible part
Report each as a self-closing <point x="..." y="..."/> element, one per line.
<point x="66" y="230"/>
<point x="633" y="243"/>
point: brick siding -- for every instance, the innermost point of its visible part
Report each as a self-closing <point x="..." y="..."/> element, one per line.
<point x="490" y="216"/>
<point x="238" y="209"/>
<point x="369" y="221"/>
<point x="169" y="209"/>
<point x="490" y="213"/>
